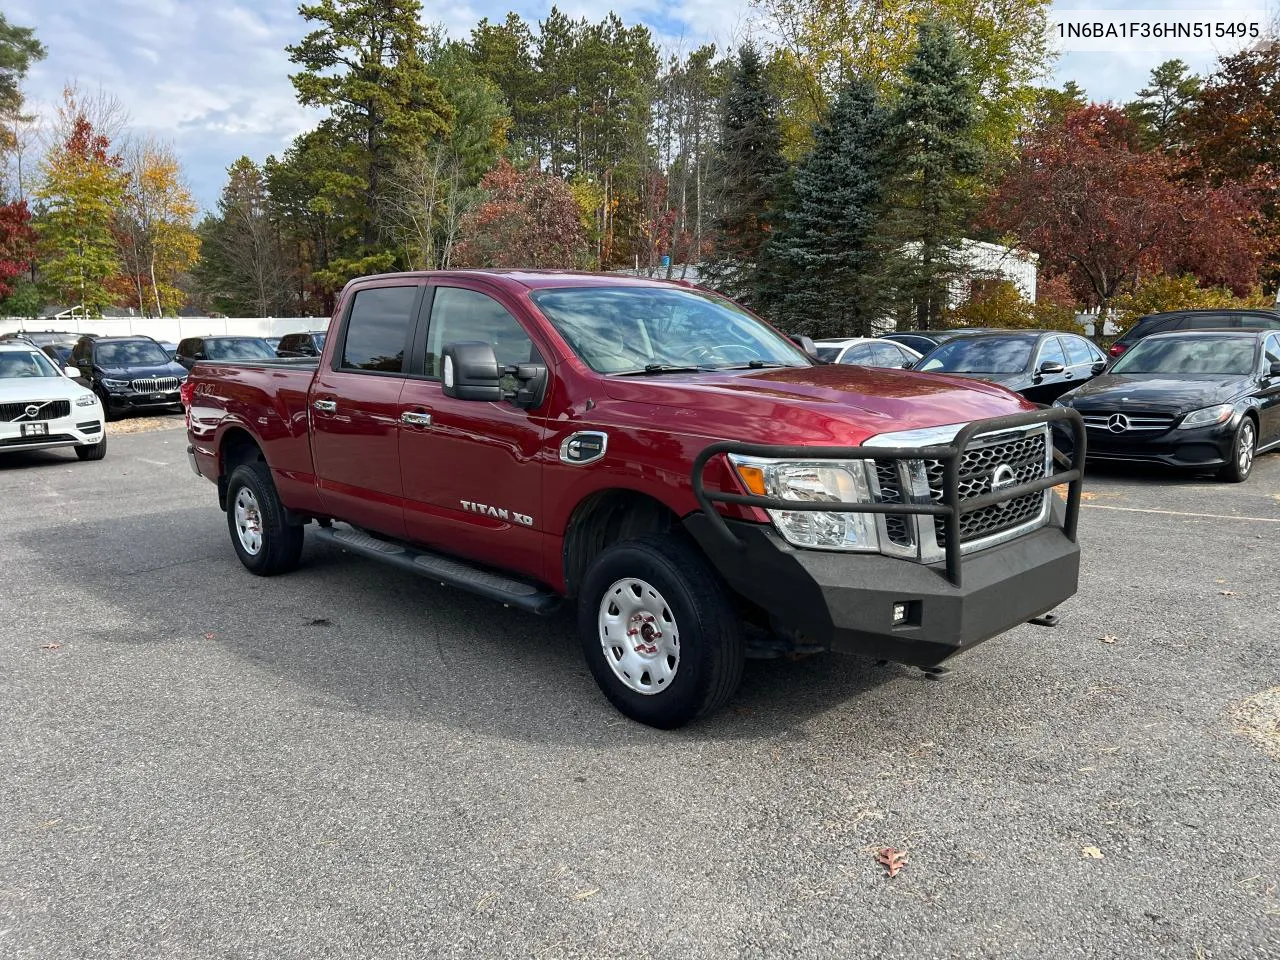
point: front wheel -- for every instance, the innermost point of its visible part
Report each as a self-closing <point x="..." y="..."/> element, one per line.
<point x="104" y="398"/>
<point x="659" y="631"/>
<point x="93" y="451"/>
<point x="1243" y="448"/>
<point x="264" y="540"/>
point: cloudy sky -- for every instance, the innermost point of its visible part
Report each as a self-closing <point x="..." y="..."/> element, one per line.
<point x="211" y="76"/>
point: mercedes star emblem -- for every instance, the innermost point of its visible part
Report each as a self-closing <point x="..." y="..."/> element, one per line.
<point x="1118" y="423"/>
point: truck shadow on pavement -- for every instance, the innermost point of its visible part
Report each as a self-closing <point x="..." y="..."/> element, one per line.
<point x="343" y="633"/>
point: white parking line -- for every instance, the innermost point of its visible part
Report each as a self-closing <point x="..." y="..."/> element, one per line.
<point x="154" y="463"/>
<point x="1180" y="513"/>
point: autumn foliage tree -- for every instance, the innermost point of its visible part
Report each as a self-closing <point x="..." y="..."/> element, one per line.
<point x="17" y="245"/>
<point x="529" y="219"/>
<point x="82" y="188"/>
<point x="1104" y="213"/>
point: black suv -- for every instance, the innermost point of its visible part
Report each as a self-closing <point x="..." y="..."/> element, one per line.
<point x="129" y="373"/>
<point x="1195" y="320"/>
<point x="227" y="347"/>
<point x="309" y="344"/>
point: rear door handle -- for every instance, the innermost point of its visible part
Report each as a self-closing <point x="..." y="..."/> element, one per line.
<point x="325" y="406"/>
<point x="416" y="418"/>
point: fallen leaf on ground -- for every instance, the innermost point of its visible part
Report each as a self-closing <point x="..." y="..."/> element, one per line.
<point x="891" y="859"/>
<point x="1108" y="639"/>
<point x="208" y="636"/>
<point x="585" y="894"/>
<point x="1092" y="853"/>
<point x="52" y="646"/>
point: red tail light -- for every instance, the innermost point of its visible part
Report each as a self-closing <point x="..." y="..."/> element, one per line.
<point x="185" y="391"/>
<point x="1117" y="349"/>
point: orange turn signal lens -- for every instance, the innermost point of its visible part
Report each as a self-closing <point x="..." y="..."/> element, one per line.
<point x="752" y="478"/>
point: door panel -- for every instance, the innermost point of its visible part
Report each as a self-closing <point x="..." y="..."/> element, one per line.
<point x="472" y="477"/>
<point x="1047" y="388"/>
<point x="1269" y="393"/>
<point x="354" y="411"/>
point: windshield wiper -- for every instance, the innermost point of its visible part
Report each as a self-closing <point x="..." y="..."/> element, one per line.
<point x="663" y="368"/>
<point x="756" y="365"/>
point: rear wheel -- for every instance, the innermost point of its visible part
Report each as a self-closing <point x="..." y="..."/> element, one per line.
<point x="659" y="631"/>
<point x="1243" y="448"/>
<point x="264" y="540"/>
<point x="93" y="451"/>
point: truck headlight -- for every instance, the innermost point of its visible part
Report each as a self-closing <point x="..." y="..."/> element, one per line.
<point x="1207" y="417"/>
<point x="120" y="385"/>
<point x="831" y="481"/>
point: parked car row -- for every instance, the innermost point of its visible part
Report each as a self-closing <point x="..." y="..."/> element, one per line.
<point x="42" y="407"/>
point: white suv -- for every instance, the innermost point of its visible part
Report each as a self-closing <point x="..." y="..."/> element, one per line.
<point x="42" y="407"/>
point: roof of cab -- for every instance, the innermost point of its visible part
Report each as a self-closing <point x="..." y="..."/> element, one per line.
<point x="532" y="279"/>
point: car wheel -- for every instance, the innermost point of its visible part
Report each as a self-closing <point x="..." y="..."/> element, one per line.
<point x="264" y="540"/>
<point x="107" y="412"/>
<point x="93" y="451"/>
<point x="1243" y="449"/>
<point x="659" y="631"/>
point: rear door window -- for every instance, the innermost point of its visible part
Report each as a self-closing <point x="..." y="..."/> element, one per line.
<point x="378" y="329"/>
<point x="862" y="353"/>
<point x="1078" y="353"/>
<point x="1051" y="352"/>
<point x="1207" y="321"/>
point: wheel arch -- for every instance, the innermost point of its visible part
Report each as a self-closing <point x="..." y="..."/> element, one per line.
<point x="605" y="517"/>
<point x="236" y="446"/>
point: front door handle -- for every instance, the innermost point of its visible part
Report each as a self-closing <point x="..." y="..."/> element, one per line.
<point x="325" y="406"/>
<point x="416" y="418"/>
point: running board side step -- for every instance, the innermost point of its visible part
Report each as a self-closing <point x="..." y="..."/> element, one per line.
<point x="444" y="570"/>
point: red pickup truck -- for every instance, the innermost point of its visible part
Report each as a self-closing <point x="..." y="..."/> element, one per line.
<point x="691" y="478"/>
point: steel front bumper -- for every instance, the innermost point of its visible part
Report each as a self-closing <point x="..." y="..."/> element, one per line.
<point x="845" y="601"/>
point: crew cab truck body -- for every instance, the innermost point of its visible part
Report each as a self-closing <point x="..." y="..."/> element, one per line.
<point x="655" y="454"/>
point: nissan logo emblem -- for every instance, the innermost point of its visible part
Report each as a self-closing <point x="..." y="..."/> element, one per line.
<point x="1118" y="423"/>
<point x="1003" y="476"/>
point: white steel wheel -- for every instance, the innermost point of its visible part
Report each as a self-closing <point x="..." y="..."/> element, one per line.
<point x="639" y="636"/>
<point x="248" y="521"/>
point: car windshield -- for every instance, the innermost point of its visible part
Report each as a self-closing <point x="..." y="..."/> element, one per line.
<point x="980" y="355"/>
<point x="22" y="364"/>
<point x="130" y="353"/>
<point x="241" y="348"/>
<point x="829" y="353"/>
<point x="1190" y="356"/>
<point x="648" y="329"/>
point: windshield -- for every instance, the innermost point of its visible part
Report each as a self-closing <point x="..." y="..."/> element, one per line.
<point x="983" y="355"/>
<point x="130" y="353"/>
<point x="1191" y="356"/>
<point x="17" y="365"/>
<point x="640" y="329"/>
<point x="242" y="348"/>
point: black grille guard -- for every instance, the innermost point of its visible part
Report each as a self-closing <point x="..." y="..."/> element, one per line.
<point x="952" y="508"/>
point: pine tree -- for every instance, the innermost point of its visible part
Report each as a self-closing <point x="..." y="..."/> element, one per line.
<point x="936" y="151"/>
<point x="1161" y="107"/>
<point x="827" y="258"/>
<point x="749" y="173"/>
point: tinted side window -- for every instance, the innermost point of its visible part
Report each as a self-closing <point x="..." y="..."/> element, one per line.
<point x="1078" y="353"/>
<point x="458" y="314"/>
<point x="1051" y="350"/>
<point x="887" y="355"/>
<point x="1207" y="321"/>
<point x="188" y="347"/>
<point x="378" y="329"/>
<point x="1271" y="351"/>
<point x="863" y="353"/>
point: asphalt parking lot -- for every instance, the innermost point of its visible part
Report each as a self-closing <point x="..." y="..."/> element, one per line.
<point x="352" y="762"/>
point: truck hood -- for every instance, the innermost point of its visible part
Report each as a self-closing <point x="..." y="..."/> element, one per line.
<point x="834" y="404"/>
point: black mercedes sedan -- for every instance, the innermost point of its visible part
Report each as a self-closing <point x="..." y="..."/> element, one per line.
<point x="1204" y="400"/>
<point x="1039" y="364"/>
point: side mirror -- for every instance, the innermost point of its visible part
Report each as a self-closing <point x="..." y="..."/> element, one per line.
<point x="199" y="355"/>
<point x="530" y="387"/>
<point x="1099" y="367"/>
<point x="72" y="372"/>
<point x="907" y="365"/>
<point x="1050" y="367"/>
<point x="804" y="343"/>
<point x="1275" y="368"/>
<point x="470" y="371"/>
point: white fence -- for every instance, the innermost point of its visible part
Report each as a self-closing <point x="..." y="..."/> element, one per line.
<point x="170" y="329"/>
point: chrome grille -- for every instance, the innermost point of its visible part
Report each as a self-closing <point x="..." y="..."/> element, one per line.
<point x="1101" y="420"/>
<point x="897" y="526"/>
<point x="155" y="384"/>
<point x="1026" y="454"/>
<point x="49" y="410"/>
